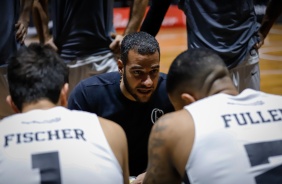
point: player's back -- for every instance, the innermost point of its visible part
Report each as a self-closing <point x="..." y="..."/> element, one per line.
<point x="56" y="146"/>
<point x="238" y="139"/>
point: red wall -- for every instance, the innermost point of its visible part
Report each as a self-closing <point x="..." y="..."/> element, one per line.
<point x="174" y="17"/>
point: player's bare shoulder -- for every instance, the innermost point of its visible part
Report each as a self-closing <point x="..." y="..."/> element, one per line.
<point x="112" y="131"/>
<point x="174" y="122"/>
<point x="173" y="130"/>
<point x="116" y="138"/>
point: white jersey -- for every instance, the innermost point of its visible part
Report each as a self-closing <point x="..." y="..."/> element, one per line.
<point x="238" y="139"/>
<point x="56" y="146"/>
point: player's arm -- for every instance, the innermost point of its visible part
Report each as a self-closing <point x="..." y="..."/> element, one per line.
<point x="41" y="19"/>
<point x="155" y="16"/>
<point x="160" y="168"/>
<point x="170" y="143"/>
<point x="137" y="12"/>
<point x="23" y="22"/>
<point x="273" y="10"/>
<point x="117" y="140"/>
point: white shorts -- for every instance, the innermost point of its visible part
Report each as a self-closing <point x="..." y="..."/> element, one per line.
<point x="247" y="74"/>
<point x="89" y="66"/>
<point x="5" y="109"/>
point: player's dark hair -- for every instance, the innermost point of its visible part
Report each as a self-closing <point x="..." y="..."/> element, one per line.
<point x="190" y="69"/>
<point x="141" y="42"/>
<point x="36" y="72"/>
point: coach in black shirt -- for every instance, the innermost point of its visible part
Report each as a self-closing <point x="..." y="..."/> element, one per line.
<point x="134" y="97"/>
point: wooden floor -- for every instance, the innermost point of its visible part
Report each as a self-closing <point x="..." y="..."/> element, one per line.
<point x="173" y="41"/>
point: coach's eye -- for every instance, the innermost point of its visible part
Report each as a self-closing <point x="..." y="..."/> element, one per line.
<point x="137" y="72"/>
<point x="155" y="71"/>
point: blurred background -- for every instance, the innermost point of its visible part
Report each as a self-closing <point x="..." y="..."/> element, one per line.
<point x="173" y="40"/>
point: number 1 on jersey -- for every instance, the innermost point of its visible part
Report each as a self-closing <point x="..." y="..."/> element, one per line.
<point x="49" y="166"/>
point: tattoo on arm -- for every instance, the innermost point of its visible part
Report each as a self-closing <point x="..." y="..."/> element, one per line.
<point x="157" y="154"/>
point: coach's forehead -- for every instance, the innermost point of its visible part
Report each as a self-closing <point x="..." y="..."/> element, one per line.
<point x="146" y="60"/>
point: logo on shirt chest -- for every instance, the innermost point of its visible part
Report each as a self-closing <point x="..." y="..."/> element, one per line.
<point x="156" y="114"/>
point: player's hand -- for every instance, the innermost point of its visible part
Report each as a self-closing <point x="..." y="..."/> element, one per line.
<point x="261" y="41"/>
<point x="139" y="179"/>
<point x="21" y="27"/>
<point x="51" y="43"/>
<point x="115" y="45"/>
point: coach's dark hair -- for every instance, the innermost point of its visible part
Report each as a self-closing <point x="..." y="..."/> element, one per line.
<point x="36" y="72"/>
<point x="141" y="42"/>
<point x="190" y="69"/>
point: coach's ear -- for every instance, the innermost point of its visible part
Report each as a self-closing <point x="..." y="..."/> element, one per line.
<point x="187" y="98"/>
<point x="12" y="104"/>
<point x="120" y="66"/>
<point x="63" y="101"/>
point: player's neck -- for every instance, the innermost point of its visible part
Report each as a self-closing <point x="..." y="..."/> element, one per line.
<point x="222" y="85"/>
<point x="41" y="104"/>
<point x="228" y="89"/>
